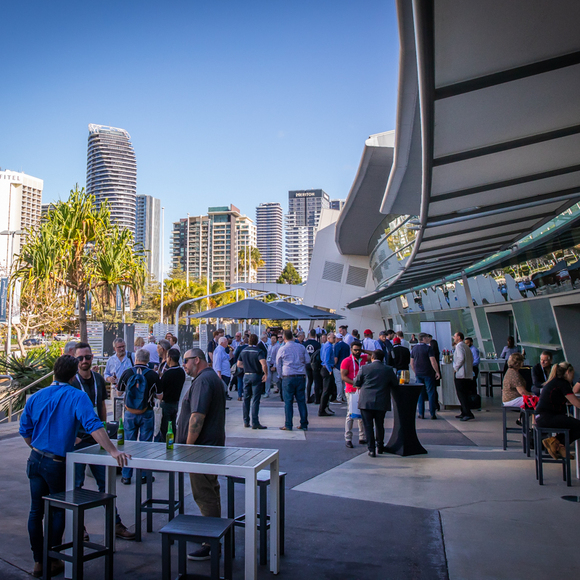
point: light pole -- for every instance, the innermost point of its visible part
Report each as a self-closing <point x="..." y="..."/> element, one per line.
<point x="10" y="233"/>
<point x="187" y="254"/>
<point x="161" y="261"/>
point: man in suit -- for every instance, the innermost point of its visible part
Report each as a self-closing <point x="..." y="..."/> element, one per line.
<point x="374" y="382"/>
<point x="541" y="372"/>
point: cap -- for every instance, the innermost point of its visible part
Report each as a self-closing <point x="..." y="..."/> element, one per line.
<point x="396" y="340"/>
<point x="383" y="333"/>
<point x="368" y="331"/>
<point x="338" y="335"/>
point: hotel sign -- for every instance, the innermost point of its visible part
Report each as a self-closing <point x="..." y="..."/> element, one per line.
<point x="10" y="177"/>
<point x="305" y="194"/>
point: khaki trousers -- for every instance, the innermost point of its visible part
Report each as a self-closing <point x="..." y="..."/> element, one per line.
<point x="206" y="493"/>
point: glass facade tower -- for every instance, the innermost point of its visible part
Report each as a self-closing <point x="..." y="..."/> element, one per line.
<point x="112" y="173"/>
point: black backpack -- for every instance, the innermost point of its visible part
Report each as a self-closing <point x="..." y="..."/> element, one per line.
<point x="316" y="361"/>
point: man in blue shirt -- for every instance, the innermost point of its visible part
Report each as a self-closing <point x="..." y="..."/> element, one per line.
<point x="327" y="359"/>
<point x="49" y="425"/>
<point x="426" y="369"/>
<point x="476" y="359"/>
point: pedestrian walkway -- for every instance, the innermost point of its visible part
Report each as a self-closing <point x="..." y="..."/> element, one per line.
<point x="467" y="510"/>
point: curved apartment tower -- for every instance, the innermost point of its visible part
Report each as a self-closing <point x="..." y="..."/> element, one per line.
<point x="112" y="172"/>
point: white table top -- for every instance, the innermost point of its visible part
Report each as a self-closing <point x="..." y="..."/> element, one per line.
<point x="182" y="458"/>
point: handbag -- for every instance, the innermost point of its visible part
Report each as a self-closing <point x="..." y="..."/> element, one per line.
<point x="157" y="414"/>
<point x="353" y="409"/>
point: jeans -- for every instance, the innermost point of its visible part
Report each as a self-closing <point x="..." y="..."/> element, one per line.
<point x="370" y="416"/>
<point x="99" y="473"/>
<point x="295" y="387"/>
<point x="431" y="391"/>
<point x="142" y="425"/>
<point x="253" y="389"/>
<point x="271" y="379"/>
<point x="240" y="379"/>
<point x="349" y="422"/>
<point x="46" y="476"/>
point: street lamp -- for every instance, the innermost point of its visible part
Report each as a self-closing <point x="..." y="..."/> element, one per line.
<point x="10" y="233"/>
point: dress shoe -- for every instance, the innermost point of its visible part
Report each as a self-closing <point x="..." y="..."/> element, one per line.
<point x="459" y="416"/>
<point x="324" y="414"/>
<point x="144" y="479"/>
<point x="259" y="426"/>
<point x="434" y="418"/>
<point x="86" y="537"/>
<point x="56" y="567"/>
<point x="302" y="428"/>
<point x="380" y="450"/>
<point x="37" y="571"/>
<point x="349" y="444"/>
<point x="420" y="416"/>
<point x="285" y="428"/>
<point x="330" y="411"/>
<point x="239" y="398"/>
<point x="362" y="441"/>
<point x="122" y="532"/>
<point x="126" y="480"/>
<point x="228" y="397"/>
<point x="467" y="418"/>
<point x="372" y="454"/>
<point x="310" y="400"/>
<point x="247" y="425"/>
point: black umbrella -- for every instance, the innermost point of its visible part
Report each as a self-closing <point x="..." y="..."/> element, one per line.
<point x="248" y="309"/>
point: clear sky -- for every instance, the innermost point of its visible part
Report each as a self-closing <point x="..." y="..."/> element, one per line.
<point x="226" y="101"/>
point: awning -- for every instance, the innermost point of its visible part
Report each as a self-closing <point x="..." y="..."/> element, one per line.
<point x="246" y="310"/>
<point x="306" y="312"/>
<point x="499" y="137"/>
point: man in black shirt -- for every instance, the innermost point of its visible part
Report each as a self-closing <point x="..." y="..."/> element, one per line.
<point x="93" y="384"/>
<point x="171" y="385"/>
<point x="139" y="421"/>
<point x="312" y="345"/>
<point x="202" y="421"/>
<point x="253" y="362"/>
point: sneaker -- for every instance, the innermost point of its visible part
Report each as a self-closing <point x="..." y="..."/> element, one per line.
<point x="121" y="531"/>
<point x="259" y="426"/>
<point x="330" y="411"/>
<point x="204" y="553"/>
<point x="349" y="444"/>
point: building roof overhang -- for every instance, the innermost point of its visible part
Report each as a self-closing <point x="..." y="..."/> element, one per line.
<point x="497" y="142"/>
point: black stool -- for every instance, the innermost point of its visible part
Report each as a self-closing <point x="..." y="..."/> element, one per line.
<point x="79" y="500"/>
<point x="527" y="432"/>
<point x="542" y="457"/>
<point x="149" y="505"/>
<point x="507" y="429"/>
<point x="186" y="528"/>
<point x="263" y="517"/>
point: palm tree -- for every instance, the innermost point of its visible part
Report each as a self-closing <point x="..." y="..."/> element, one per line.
<point x="249" y="259"/>
<point x="79" y="250"/>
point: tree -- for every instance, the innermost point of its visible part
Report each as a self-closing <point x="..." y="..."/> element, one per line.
<point x="289" y="275"/>
<point x="249" y="259"/>
<point x="78" y="250"/>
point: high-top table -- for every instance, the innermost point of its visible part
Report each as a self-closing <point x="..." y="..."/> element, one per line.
<point x="234" y="461"/>
<point x="404" y="440"/>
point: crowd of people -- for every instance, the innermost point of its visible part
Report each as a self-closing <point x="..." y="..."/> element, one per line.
<point x="328" y="367"/>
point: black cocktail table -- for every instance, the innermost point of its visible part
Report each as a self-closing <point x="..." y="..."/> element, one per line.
<point x="404" y="440"/>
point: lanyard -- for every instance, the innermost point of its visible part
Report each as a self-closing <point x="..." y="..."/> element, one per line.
<point x="94" y="386"/>
<point x="355" y="368"/>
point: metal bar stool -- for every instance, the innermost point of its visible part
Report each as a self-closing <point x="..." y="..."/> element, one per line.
<point x="186" y="528"/>
<point x="542" y="457"/>
<point x="149" y="506"/>
<point x="263" y="516"/>
<point x="79" y="500"/>
<point x="507" y="429"/>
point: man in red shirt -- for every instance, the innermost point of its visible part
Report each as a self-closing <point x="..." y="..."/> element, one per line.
<point x="348" y="370"/>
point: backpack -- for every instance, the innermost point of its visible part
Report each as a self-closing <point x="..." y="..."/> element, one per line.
<point x="136" y="389"/>
<point x="316" y="361"/>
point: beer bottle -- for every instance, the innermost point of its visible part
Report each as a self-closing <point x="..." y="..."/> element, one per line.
<point x="121" y="433"/>
<point x="169" y="438"/>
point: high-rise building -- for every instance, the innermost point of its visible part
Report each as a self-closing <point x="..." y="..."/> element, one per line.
<point x="269" y="240"/>
<point x="21" y="201"/>
<point x="337" y="204"/>
<point x="112" y="173"/>
<point x="209" y="245"/>
<point x="304" y="208"/>
<point x="147" y="229"/>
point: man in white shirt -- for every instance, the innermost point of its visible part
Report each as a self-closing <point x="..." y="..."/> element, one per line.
<point x="463" y="367"/>
<point x="151" y="348"/>
<point x="369" y="343"/>
<point x="347" y="337"/>
<point x="221" y="363"/>
<point x="404" y="342"/>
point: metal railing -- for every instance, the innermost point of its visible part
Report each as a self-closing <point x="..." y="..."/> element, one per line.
<point x="11" y="397"/>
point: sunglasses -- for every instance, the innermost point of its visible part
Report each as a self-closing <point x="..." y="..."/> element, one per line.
<point x="85" y="357"/>
<point x="189" y="358"/>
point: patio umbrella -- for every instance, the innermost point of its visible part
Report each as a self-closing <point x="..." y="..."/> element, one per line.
<point x="248" y="309"/>
<point x="306" y="312"/>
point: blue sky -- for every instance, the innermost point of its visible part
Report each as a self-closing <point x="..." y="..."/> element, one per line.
<point x="226" y="101"/>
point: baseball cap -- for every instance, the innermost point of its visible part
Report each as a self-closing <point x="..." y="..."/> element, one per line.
<point x="368" y="331"/>
<point x="396" y="340"/>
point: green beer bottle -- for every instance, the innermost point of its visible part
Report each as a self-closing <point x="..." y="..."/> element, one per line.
<point x="121" y="433"/>
<point x="170" y="438"/>
<point x="105" y="428"/>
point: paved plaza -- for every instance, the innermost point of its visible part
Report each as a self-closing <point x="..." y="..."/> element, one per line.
<point x="467" y="510"/>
